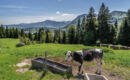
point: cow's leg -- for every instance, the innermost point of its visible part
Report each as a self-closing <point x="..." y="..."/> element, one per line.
<point x="80" y="66"/>
<point x="82" y="69"/>
<point x="97" y="62"/>
<point x="100" y="66"/>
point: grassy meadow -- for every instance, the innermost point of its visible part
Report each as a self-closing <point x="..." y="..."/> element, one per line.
<point x="116" y="61"/>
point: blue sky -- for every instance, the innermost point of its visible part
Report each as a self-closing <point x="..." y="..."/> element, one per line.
<point x="27" y="11"/>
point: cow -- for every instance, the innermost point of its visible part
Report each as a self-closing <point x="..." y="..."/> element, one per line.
<point x="86" y="55"/>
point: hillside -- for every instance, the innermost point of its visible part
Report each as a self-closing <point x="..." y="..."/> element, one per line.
<point x="47" y="23"/>
<point x="118" y="15"/>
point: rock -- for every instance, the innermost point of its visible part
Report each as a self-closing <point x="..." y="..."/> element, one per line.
<point x="89" y="76"/>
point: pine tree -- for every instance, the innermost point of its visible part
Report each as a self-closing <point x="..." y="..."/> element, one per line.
<point x="116" y="31"/>
<point x="113" y="35"/>
<point x="56" y="33"/>
<point x="17" y="33"/>
<point x="90" y="36"/>
<point x="49" y="37"/>
<point x="104" y="24"/>
<point x="42" y="36"/>
<point x="11" y="33"/>
<point x="30" y="36"/>
<point x="60" y="36"/>
<point x="36" y="36"/>
<point x="2" y="32"/>
<point x="78" y="32"/>
<point x="7" y="32"/>
<point x="22" y="34"/>
<point x="39" y="34"/>
<point x="124" y="35"/>
<point x="82" y="32"/>
<point x="71" y="33"/>
<point x="116" y="25"/>
<point x="64" y="37"/>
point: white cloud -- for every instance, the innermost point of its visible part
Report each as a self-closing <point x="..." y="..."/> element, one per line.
<point x="58" y="12"/>
<point x="66" y="14"/>
<point x="13" y="6"/>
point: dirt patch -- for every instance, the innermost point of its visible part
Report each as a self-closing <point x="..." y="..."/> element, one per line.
<point x="89" y="69"/>
<point x="23" y="65"/>
<point x="22" y="70"/>
<point x="24" y="62"/>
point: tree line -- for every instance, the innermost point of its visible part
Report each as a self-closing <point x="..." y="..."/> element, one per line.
<point x="90" y="30"/>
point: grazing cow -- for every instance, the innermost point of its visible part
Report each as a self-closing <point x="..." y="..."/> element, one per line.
<point x="86" y="55"/>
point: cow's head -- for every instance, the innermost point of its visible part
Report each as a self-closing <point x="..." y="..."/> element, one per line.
<point x="68" y="56"/>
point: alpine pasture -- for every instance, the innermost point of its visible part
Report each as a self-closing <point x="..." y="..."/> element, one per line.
<point x="115" y="61"/>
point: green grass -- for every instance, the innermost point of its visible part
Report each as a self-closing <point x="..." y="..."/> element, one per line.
<point x="10" y="55"/>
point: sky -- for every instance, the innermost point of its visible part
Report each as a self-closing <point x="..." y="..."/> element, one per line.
<point x="28" y="11"/>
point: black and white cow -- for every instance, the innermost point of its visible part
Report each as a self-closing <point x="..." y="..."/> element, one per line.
<point x="86" y="55"/>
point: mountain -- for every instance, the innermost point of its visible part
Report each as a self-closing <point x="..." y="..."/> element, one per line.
<point x="47" y="23"/>
<point x="76" y="19"/>
<point x="116" y="15"/>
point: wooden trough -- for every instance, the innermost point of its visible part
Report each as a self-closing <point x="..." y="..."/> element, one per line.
<point x="104" y="45"/>
<point x="89" y="76"/>
<point x="124" y="48"/>
<point x="52" y="65"/>
<point x="115" y="47"/>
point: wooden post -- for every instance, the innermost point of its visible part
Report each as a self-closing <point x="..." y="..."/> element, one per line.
<point x="45" y="62"/>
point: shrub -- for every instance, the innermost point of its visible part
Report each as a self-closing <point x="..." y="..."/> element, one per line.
<point x="25" y="40"/>
<point x="20" y="44"/>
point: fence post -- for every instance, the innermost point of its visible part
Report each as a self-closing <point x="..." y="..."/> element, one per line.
<point x="45" y="62"/>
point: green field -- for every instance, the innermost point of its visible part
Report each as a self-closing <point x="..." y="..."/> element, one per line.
<point x="117" y="61"/>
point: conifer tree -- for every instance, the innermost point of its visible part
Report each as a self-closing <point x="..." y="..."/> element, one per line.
<point x="17" y="33"/>
<point x="116" y="25"/>
<point x="71" y="33"/>
<point x="42" y="36"/>
<point x="82" y="32"/>
<point x="30" y="36"/>
<point x="36" y="36"/>
<point x="49" y="37"/>
<point x="113" y="35"/>
<point x="22" y="33"/>
<point x="90" y="36"/>
<point x="104" y="24"/>
<point x="56" y="33"/>
<point x="60" y="36"/>
<point x="78" y="32"/>
<point x="64" y="37"/>
<point x="7" y="32"/>
<point x="124" y="35"/>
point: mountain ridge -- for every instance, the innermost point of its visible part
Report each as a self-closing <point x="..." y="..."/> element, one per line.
<point x="116" y="15"/>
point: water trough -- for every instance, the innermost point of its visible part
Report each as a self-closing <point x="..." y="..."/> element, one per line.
<point x="52" y="65"/>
